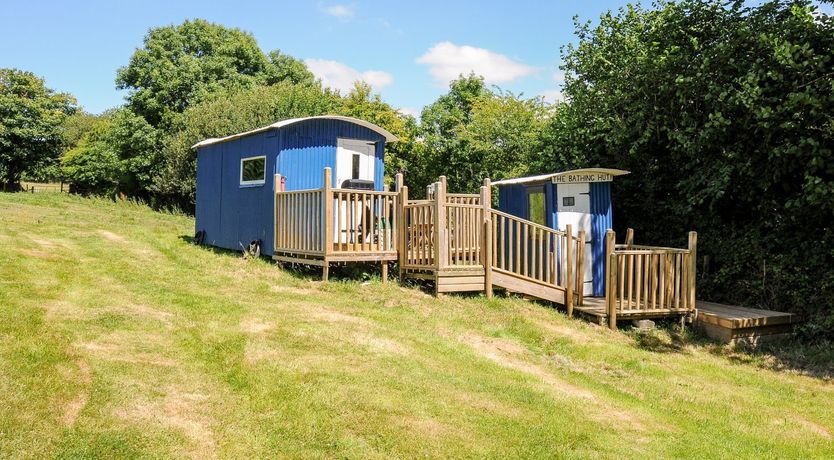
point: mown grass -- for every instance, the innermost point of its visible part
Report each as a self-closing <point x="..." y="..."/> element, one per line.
<point x="120" y="339"/>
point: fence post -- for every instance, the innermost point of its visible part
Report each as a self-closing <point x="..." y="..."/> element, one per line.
<point x="693" y="251"/>
<point x="276" y="187"/>
<point x="569" y="275"/>
<point x="327" y="218"/>
<point x="402" y="233"/>
<point x="629" y="238"/>
<point x="486" y="244"/>
<point x="580" y="268"/>
<point x="611" y="278"/>
<point x="440" y="242"/>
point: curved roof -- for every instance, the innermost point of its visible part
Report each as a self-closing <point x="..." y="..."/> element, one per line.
<point x="547" y="177"/>
<point x="291" y="121"/>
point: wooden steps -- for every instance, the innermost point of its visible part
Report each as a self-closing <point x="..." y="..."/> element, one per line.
<point x="734" y="324"/>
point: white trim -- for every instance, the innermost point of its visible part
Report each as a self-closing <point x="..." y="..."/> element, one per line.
<point x="549" y="177"/>
<point x="280" y="124"/>
<point x="245" y="183"/>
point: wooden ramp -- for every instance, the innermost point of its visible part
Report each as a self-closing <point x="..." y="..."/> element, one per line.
<point x="733" y="324"/>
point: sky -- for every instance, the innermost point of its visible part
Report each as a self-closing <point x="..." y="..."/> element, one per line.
<point x="408" y="51"/>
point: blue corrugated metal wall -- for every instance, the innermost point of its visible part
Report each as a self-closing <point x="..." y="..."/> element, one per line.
<point x="233" y="215"/>
<point x="207" y="211"/>
<point x="601" y="221"/>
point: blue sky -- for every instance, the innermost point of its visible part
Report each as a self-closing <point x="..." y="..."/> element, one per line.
<point x="407" y="50"/>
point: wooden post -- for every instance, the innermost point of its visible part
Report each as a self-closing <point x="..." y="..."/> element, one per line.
<point x="486" y="243"/>
<point x="569" y="271"/>
<point x="384" y="271"/>
<point x="327" y="218"/>
<point x="629" y="238"/>
<point x="693" y="252"/>
<point x="580" y="270"/>
<point x="610" y="286"/>
<point x="612" y="298"/>
<point x="440" y="225"/>
<point x="398" y="182"/>
<point x="276" y="188"/>
<point x="402" y="231"/>
<point x="442" y="180"/>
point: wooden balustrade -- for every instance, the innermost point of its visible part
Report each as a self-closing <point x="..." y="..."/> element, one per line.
<point x="299" y="221"/>
<point x="364" y="221"/>
<point x="418" y="226"/>
<point x="336" y="224"/>
<point x="649" y="279"/>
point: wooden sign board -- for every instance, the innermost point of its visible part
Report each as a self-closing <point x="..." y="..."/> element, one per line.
<point x="575" y="178"/>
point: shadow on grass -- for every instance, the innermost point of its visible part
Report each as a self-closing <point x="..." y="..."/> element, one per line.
<point x="665" y="339"/>
<point x="790" y="355"/>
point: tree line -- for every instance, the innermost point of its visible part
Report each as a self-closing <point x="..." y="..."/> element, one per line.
<point x="723" y="111"/>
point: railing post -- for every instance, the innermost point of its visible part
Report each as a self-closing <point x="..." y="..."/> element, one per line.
<point x="612" y="298"/>
<point x="486" y="244"/>
<point x="611" y="278"/>
<point x="398" y="182"/>
<point x="276" y="187"/>
<point x="327" y="218"/>
<point x="569" y="271"/>
<point x="693" y="251"/>
<point x="440" y="243"/>
<point x="629" y="238"/>
<point x="402" y="232"/>
<point x="580" y="268"/>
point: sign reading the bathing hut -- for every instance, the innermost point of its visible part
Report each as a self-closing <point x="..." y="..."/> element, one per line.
<point x="581" y="177"/>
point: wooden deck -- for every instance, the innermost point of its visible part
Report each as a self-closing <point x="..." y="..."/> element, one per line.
<point x="734" y="324"/>
<point x="595" y="310"/>
<point x="461" y="244"/>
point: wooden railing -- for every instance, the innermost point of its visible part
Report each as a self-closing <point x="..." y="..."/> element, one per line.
<point x="364" y="221"/>
<point x="648" y="279"/>
<point x="299" y="222"/>
<point x="418" y="240"/>
<point x="336" y="224"/>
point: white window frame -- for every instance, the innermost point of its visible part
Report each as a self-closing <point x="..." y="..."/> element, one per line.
<point x="249" y="183"/>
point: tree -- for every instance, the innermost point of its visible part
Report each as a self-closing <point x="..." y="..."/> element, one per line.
<point x="472" y="133"/>
<point x="229" y="113"/>
<point x="362" y="103"/>
<point x="31" y="116"/>
<point x="725" y="115"/>
<point x="179" y="66"/>
<point x="119" y="152"/>
<point x="286" y="68"/>
<point x="443" y="152"/>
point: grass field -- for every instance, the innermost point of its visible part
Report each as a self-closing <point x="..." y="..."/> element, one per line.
<point x="118" y="338"/>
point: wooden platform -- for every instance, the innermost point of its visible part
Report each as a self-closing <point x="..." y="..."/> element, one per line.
<point x="593" y="308"/>
<point x="733" y="324"/>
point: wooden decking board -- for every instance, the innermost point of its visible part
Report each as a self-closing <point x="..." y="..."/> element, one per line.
<point x="735" y="317"/>
<point x="734" y="324"/>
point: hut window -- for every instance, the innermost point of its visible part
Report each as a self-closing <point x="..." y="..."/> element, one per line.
<point x="568" y="201"/>
<point x="535" y="205"/>
<point x="355" y="172"/>
<point x="253" y="170"/>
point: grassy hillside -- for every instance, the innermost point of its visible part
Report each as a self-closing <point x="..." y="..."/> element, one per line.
<point x="118" y="338"/>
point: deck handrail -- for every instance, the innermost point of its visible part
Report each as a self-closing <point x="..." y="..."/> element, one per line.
<point x="330" y="221"/>
<point x="648" y="279"/>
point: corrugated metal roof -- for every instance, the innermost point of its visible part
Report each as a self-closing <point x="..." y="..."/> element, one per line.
<point x="280" y="124"/>
<point x="547" y="177"/>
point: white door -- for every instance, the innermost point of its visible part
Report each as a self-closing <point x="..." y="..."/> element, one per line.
<point x="573" y="205"/>
<point x="354" y="160"/>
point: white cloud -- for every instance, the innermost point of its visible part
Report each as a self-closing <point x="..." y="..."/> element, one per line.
<point x="414" y="112"/>
<point x="343" y="12"/>
<point x="339" y="76"/>
<point x="447" y="61"/>
<point x="559" y="76"/>
<point x="553" y="95"/>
